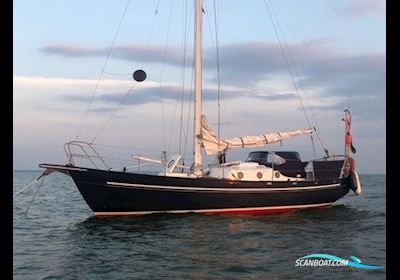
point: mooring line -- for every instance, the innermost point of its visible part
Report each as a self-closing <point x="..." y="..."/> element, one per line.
<point x="27" y="186"/>
<point x="34" y="196"/>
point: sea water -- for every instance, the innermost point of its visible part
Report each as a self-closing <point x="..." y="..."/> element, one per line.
<point x="59" y="238"/>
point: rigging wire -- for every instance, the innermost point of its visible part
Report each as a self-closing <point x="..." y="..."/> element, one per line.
<point x="162" y="74"/>
<point x="34" y="196"/>
<point x="152" y="25"/>
<point x="185" y="36"/>
<point x="218" y="71"/>
<point x="190" y="95"/>
<point x="288" y="65"/>
<point x="103" y="68"/>
<point x="179" y="92"/>
<point x="122" y="74"/>
<point x="320" y="138"/>
<point x="190" y="109"/>
<point x="113" y="113"/>
<point x="26" y="187"/>
<point x="117" y="74"/>
<point x="215" y="47"/>
<point x="125" y="147"/>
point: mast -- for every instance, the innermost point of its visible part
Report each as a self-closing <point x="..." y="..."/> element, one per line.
<point x="197" y="170"/>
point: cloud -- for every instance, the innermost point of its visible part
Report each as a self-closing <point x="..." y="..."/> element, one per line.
<point x="258" y="70"/>
<point x="367" y="109"/>
<point x="248" y="65"/>
<point x="59" y="85"/>
<point x="362" y="75"/>
<point x="246" y="61"/>
<point x="273" y="97"/>
<point x="130" y="52"/>
<point x="318" y="66"/>
<point x="102" y="110"/>
<point x="71" y="51"/>
<point x="359" y="8"/>
<point x="172" y="93"/>
<point x="253" y="69"/>
<point x="38" y="91"/>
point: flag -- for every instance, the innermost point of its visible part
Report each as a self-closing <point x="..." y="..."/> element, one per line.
<point x="353" y="150"/>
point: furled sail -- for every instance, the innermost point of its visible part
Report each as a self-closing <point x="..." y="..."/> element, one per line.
<point x="213" y="145"/>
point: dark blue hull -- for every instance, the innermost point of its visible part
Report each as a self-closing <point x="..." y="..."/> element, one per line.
<point x="119" y="193"/>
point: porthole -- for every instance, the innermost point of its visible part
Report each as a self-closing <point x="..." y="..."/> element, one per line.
<point x="277" y="174"/>
<point x="240" y="175"/>
<point x="259" y="175"/>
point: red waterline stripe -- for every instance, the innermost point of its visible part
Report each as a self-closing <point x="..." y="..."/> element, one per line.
<point x="249" y="210"/>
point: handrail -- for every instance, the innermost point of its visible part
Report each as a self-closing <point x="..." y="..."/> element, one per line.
<point x="85" y="154"/>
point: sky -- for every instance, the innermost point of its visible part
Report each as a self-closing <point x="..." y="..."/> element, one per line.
<point x="66" y="89"/>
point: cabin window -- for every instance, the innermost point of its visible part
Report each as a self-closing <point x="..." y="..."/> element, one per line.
<point x="275" y="159"/>
<point x="260" y="157"/>
<point x="266" y="158"/>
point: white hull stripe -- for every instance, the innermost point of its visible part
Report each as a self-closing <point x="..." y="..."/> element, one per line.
<point x="288" y="207"/>
<point x="233" y="189"/>
<point x="61" y="167"/>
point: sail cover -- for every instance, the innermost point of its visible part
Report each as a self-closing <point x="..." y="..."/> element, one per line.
<point x="213" y="145"/>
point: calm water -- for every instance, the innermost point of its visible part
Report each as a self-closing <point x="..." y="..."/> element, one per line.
<point x="60" y="238"/>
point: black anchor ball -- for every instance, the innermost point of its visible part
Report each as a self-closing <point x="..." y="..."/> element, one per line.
<point x="139" y="75"/>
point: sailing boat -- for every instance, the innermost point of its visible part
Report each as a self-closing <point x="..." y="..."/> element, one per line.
<point x="267" y="182"/>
